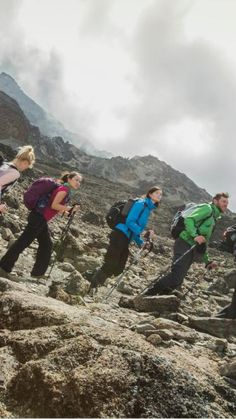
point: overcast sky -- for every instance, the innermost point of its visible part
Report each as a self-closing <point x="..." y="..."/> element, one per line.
<point x="135" y="76"/>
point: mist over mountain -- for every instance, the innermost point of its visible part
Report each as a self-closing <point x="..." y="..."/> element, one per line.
<point x="37" y="116"/>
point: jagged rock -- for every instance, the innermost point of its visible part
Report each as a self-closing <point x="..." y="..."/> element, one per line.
<point x="223" y="328"/>
<point x="83" y="354"/>
<point x="67" y="267"/>
<point x="155" y="339"/>
<point x="160" y="304"/>
<point x="167" y="329"/>
<point x="230" y="278"/>
<point x="7" y="234"/>
<point x="56" y="291"/>
<point x="229" y="370"/>
<point x="217" y="345"/>
<point x="76" y="284"/>
<point x="125" y="288"/>
<point x="93" y="218"/>
<point x="11" y="201"/>
<point x="86" y="262"/>
<point x="126" y="302"/>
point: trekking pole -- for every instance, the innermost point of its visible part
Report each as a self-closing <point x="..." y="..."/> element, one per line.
<point x="134" y="260"/>
<point x="63" y="237"/>
<point x="167" y="269"/>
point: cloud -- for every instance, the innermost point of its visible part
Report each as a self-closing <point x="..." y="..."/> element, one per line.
<point x="181" y="82"/>
<point x="39" y="72"/>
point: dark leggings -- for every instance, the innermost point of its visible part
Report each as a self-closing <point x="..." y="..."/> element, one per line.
<point x="178" y="272"/>
<point x="115" y="258"/>
<point x="37" y="228"/>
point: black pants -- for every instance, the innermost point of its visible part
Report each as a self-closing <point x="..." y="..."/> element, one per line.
<point x="37" y="228"/>
<point x="178" y="271"/>
<point x="229" y="312"/>
<point x="114" y="260"/>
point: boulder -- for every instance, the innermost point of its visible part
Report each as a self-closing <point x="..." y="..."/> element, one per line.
<point x="160" y="304"/>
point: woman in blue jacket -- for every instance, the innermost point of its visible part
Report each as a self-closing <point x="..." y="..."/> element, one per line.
<point x="123" y="234"/>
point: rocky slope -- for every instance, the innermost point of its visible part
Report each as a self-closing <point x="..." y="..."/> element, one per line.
<point x="66" y="356"/>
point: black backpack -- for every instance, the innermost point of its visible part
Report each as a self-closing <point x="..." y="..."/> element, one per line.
<point x="119" y="211"/>
<point x="229" y="236"/>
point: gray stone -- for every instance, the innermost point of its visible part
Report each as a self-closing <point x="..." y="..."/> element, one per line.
<point x="155" y="339"/>
<point x="230" y="278"/>
<point x="7" y="234"/>
<point x="160" y="304"/>
<point x="223" y="328"/>
<point x="76" y="284"/>
<point x="229" y="370"/>
<point x="67" y="267"/>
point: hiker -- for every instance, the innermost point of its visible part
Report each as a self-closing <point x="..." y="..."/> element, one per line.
<point x="37" y="228"/>
<point x="229" y="312"/>
<point x="228" y="244"/>
<point x="10" y="172"/>
<point x="198" y="228"/>
<point x="123" y="234"/>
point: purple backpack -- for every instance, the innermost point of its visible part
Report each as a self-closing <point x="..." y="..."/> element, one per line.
<point x="39" y="193"/>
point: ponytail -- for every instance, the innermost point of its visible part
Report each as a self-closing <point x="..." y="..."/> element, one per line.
<point x="65" y="176"/>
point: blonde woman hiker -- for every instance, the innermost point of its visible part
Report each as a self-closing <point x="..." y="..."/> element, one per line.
<point x="10" y="172"/>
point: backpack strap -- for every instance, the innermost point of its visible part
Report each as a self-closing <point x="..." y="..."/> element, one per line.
<point x="9" y="185"/>
<point x="203" y="221"/>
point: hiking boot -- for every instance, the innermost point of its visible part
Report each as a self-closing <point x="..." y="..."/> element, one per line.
<point x="4" y="274"/>
<point x="155" y="290"/>
<point x="226" y="313"/>
<point x="8" y="275"/>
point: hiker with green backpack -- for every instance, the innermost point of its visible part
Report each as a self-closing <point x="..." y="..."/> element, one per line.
<point x="45" y="198"/>
<point x="192" y="231"/>
<point x="127" y="222"/>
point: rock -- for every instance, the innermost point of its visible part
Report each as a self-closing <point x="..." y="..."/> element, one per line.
<point x="85" y="262"/>
<point x="230" y="278"/>
<point x="125" y="288"/>
<point x="155" y="339"/>
<point x="177" y="331"/>
<point x="166" y="334"/>
<point x="11" y="201"/>
<point x="67" y="267"/>
<point x="217" y="345"/>
<point x="76" y="284"/>
<point x="56" y="291"/>
<point x="223" y="328"/>
<point x="66" y="353"/>
<point x="7" y="234"/>
<point x="93" y="218"/>
<point x="145" y="329"/>
<point x="160" y="304"/>
<point x="126" y="302"/>
<point x="229" y="370"/>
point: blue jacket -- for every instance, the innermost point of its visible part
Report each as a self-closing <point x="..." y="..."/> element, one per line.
<point x="135" y="223"/>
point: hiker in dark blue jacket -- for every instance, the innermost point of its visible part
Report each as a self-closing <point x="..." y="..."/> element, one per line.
<point x="123" y="234"/>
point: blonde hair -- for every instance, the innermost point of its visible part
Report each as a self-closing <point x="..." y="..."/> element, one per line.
<point x="26" y="153"/>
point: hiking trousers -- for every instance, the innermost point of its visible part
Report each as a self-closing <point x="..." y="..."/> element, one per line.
<point x="37" y="228"/>
<point x="114" y="260"/>
<point x="229" y="312"/>
<point x="178" y="272"/>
